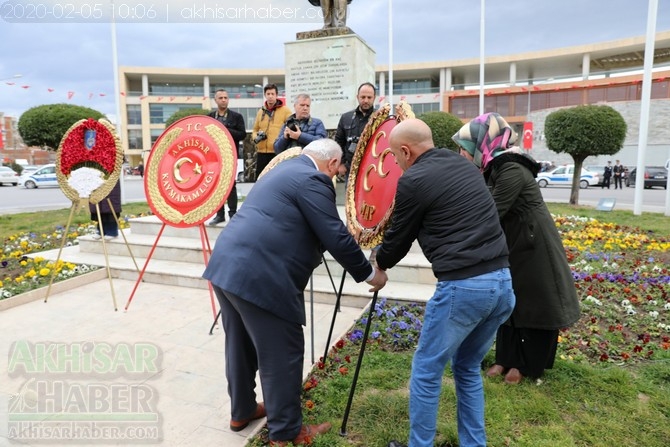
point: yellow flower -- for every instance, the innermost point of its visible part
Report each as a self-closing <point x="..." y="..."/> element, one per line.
<point x="1" y="284"/>
<point x="44" y="272"/>
<point x="23" y="263"/>
<point x="31" y="273"/>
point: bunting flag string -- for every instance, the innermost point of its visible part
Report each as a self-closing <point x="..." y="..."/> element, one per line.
<point x="521" y="89"/>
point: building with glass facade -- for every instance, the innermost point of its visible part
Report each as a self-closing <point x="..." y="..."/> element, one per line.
<point x="521" y="87"/>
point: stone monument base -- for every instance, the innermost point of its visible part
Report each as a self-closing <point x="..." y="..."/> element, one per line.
<point x="324" y="32"/>
<point x="330" y="69"/>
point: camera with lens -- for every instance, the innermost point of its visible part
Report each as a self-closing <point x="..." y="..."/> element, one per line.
<point x="293" y="123"/>
<point x="352" y="143"/>
<point x="260" y="136"/>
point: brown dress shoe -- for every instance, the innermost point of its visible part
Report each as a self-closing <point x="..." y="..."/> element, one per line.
<point x="306" y="435"/>
<point x="241" y="425"/>
<point x="495" y="370"/>
<point x="513" y="376"/>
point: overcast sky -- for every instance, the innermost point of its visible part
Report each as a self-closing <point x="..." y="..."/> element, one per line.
<point x="69" y="61"/>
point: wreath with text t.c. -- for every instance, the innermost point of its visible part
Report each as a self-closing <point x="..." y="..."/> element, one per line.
<point x="89" y="160"/>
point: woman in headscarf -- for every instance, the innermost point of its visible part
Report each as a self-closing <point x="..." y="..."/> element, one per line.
<point x="546" y="298"/>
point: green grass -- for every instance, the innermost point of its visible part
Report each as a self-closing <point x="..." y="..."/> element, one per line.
<point x="45" y="221"/>
<point x="573" y="405"/>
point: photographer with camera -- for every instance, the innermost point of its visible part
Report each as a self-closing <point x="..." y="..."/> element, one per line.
<point x="234" y="122"/>
<point x="351" y="125"/>
<point x="300" y="128"/>
<point x="269" y="121"/>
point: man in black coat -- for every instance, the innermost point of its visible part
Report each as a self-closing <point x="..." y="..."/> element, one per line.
<point x="234" y="122"/>
<point x="618" y="175"/>
<point x="454" y="218"/>
<point x="351" y="125"/>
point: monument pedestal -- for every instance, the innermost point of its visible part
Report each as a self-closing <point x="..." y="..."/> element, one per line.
<point x="329" y="68"/>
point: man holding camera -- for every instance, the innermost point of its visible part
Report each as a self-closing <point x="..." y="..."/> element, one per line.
<point x="352" y="123"/>
<point x="269" y="121"/>
<point x="234" y="122"/>
<point x="300" y="128"/>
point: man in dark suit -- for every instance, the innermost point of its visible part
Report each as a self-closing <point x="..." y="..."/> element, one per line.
<point x="259" y="269"/>
<point x="607" y="175"/>
<point x="617" y="172"/>
<point x="234" y="122"/>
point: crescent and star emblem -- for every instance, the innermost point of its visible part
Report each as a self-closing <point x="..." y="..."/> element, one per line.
<point x="177" y="175"/>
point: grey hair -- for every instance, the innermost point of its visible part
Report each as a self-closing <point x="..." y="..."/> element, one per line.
<point x="323" y="149"/>
<point x="301" y="96"/>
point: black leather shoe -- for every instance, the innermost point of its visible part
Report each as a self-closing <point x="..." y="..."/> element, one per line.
<point x="216" y="220"/>
<point x="396" y="444"/>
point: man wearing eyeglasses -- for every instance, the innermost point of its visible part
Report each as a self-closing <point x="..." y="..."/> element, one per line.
<point x="300" y="128"/>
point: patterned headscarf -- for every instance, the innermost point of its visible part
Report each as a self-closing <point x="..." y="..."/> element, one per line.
<point x="485" y="137"/>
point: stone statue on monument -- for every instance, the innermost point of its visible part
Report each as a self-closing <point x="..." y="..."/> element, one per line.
<point x="334" y="12"/>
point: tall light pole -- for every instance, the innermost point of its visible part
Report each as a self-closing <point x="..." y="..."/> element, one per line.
<point x="482" y="27"/>
<point x="645" y="101"/>
<point x="117" y="94"/>
<point x="390" y="93"/>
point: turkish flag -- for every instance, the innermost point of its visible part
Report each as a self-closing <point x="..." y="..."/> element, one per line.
<point x="528" y="135"/>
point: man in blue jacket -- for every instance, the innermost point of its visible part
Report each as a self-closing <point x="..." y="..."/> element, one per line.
<point x="259" y="269"/>
<point x="300" y="128"/>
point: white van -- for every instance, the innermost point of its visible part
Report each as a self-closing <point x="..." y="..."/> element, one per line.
<point x="44" y="176"/>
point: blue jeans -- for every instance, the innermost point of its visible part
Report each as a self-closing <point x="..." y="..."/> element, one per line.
<point x="460" y="323"/>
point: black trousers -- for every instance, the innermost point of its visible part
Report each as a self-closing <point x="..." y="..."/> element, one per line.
<point x="109" y="225"/>
<point x="618" y="182"/>
<point x="257" y="340"/>
<point x="232" y="204"/>
<point x="262" y="160"/>
<point x="531" y="351"/>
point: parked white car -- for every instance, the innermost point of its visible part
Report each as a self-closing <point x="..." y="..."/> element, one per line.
<point x="44" y="176"/>
<point x="8" y="176"/>
<point x="563" y="176"/>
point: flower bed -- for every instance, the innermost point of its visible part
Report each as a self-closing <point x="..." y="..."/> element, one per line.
<point x="623" y="282"/>
<point x="23" y="270"/>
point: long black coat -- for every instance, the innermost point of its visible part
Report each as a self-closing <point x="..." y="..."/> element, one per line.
<point x="546" y="297"/>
